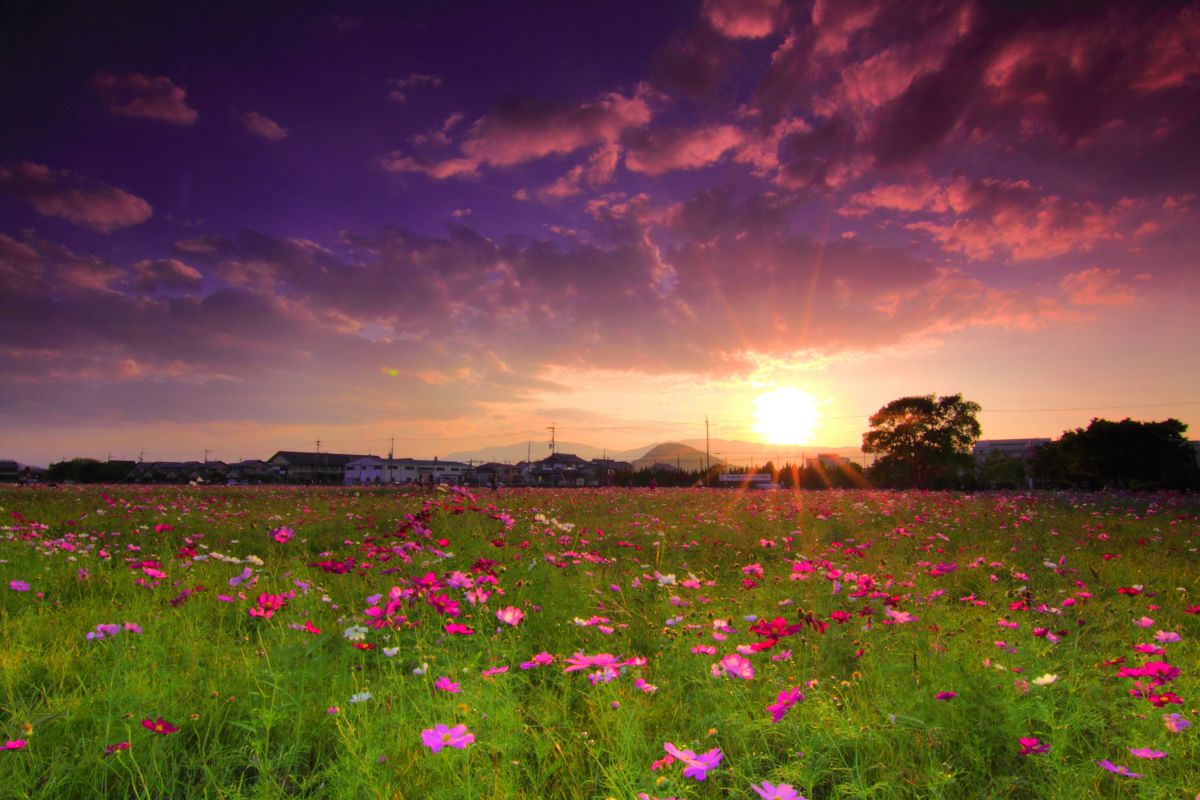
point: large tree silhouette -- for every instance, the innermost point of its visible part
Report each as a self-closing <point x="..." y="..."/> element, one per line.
<point x="922" y="441"/>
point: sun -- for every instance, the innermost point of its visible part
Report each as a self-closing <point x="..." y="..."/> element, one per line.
<point x="786" y="416"/>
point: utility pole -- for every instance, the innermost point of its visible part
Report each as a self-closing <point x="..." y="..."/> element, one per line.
<point x="141" y="455"/>
<point x="552" y="440"/>
<point x="391" y="477"/>
<point x="206" y="452"/>
<point x="707" y="463"/>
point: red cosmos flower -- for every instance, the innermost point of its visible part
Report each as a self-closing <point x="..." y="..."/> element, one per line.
<point x="113" y="748"/>
<point x="775" y="629"/>
<point x="159" y="726"/>
<point x="1132" y="591"/>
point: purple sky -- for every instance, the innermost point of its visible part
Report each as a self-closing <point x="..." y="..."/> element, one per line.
<point x="243" y="227"/>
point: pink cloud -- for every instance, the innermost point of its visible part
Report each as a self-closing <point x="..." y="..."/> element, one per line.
<point x="165" y="273"/>
<point x="743" y="19"/>
<point x="145" y="96"/>
<point x="59" y="193"/>
<point x="524" y="130"/>
<point x="598" y="170"/>
<point x="665" y="150"/>
<point x="992" y="217"/>
<point x="263" y="126"/>
<point x="1097" y="287"/>
<point x="836" y="21"/>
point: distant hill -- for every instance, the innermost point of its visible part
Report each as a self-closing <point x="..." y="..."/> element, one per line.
<point x="688" y="452"/>
<point x="676" y="454"/>
<point x="513" y="453"/>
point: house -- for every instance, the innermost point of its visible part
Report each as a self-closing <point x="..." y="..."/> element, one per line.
<point x="495" y="473"/>
<point x="1007" y="448"/>
<point x="252" y="471"/>
<point x="558" y="469"/>
<point x="301" y="467"/>
<point x="370" y="470"/>
<point x="605" y="471"/>
<point x="9" y="471"/>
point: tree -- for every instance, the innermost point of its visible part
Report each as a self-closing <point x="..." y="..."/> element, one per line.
<point x="922" y="441"/>
<point x="1126" y="454"/>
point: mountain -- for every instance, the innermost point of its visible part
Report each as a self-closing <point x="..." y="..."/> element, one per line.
<point x="513" y="453"/>
<point x="688" y="452"/>
<point x="676" y="454"/>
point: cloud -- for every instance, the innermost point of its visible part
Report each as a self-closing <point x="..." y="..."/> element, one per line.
<point x="991" y="217"/>
<point x="59" y="193"/>
<point x="598" y="170"/>
<point x="147" y="97"/>
<point x="1096" y="286"/>
<point x="263" y="126"/>
<point x="165" y="273"/>
<point x="694" y="62"/>
<point x="401" y="87"/>
<point x="522" y="129"/>
<point x="667" y="149"/>
<point x="743" y="19"/>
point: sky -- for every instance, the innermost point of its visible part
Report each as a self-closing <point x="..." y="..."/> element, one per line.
<point x="245" y="227"/>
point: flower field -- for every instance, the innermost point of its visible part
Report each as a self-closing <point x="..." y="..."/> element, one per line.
<point x="232" y="642"/>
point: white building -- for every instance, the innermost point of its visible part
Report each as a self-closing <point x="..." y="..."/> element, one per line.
<point x="1007" y="448"/>
<point x="373" y="470"/>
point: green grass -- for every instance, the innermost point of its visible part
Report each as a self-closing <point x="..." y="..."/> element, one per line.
<point x="250" y="696"/>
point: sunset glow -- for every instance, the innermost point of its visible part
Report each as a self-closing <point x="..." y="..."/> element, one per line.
<point x="437" y="227"/>
<point x="786" y="416"/>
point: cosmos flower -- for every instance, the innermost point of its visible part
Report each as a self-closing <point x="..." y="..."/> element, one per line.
<point x="540" y="660"/>
<point x="1045" y="680"/>
<point x="447" y="685"/>
<point x="1117" y="768"/>
<point x="783" y="703"/>
<point x="945" y="695"/>
<point x="282" y="534"/>
<point x="695" y="766"/>
<point x="360" y="697"/>
<point x="440" y="736"/>
<point x="1146" y="752"/>
<point x="782" y="791"/>
<point x="116" y="747"/>
<point x="159" y="726"/>
<point x="15" y="744"/>
<point x="18" y="586"/>
<point x="355" y="633"/>
<point x="735" y="665"/>
<point x="510" y="615"/>
<point x="1176" y="723"/>
<point x="1031" y="746"/>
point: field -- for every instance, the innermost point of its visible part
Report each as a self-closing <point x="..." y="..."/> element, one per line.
<point x="177" y="642"/>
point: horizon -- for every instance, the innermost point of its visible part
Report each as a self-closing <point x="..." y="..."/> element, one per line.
<point x="460" y="226"/>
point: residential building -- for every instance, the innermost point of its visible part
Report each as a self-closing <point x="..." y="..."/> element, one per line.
<point x="9" y="471"/>
<point x="1007" y="448"/>
<point x="301" y="467"/>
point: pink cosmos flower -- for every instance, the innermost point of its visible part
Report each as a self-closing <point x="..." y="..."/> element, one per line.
<point x="783" y="703"/>
<point x="116" y="747"/>
<point x="695" y="766"/>
<point x="945" y="695"/>
<point x="18" y="586"/>
<point x="440" y="736"/>
<point x="1176" y="723"/>
<point x="510" y="615"/>
<point x="735" y="665"/>
<point x="487" y="673"/>
<point x="458" y="629"/>
<point x="783" y="791"/>
<point x="1031" y="746"/>
<point x="282" y="534"/>
<point x="1166" y="637"/>
<point x="542" y="659"/>
<point x="1146" y="752"/>
<point x="15" y="744"/>
<point x="1117" y="769"/>
<point x="159" y="726"/>
<point x="447" y="685"/>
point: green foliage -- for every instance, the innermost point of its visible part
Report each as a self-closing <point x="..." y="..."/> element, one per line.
<point x="922" y="441"/>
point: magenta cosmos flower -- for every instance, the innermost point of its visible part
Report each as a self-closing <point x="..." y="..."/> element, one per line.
<point x="1031" y="746"/>
<point x="1117" y="769"/>
<point x="447" y="685"/>
<point x="783" y="791"/>
<point x="695" y="766"/>
<point x="784" y="701"/>
<point x="159" y="726"/>
<point x="440" y="736"/>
